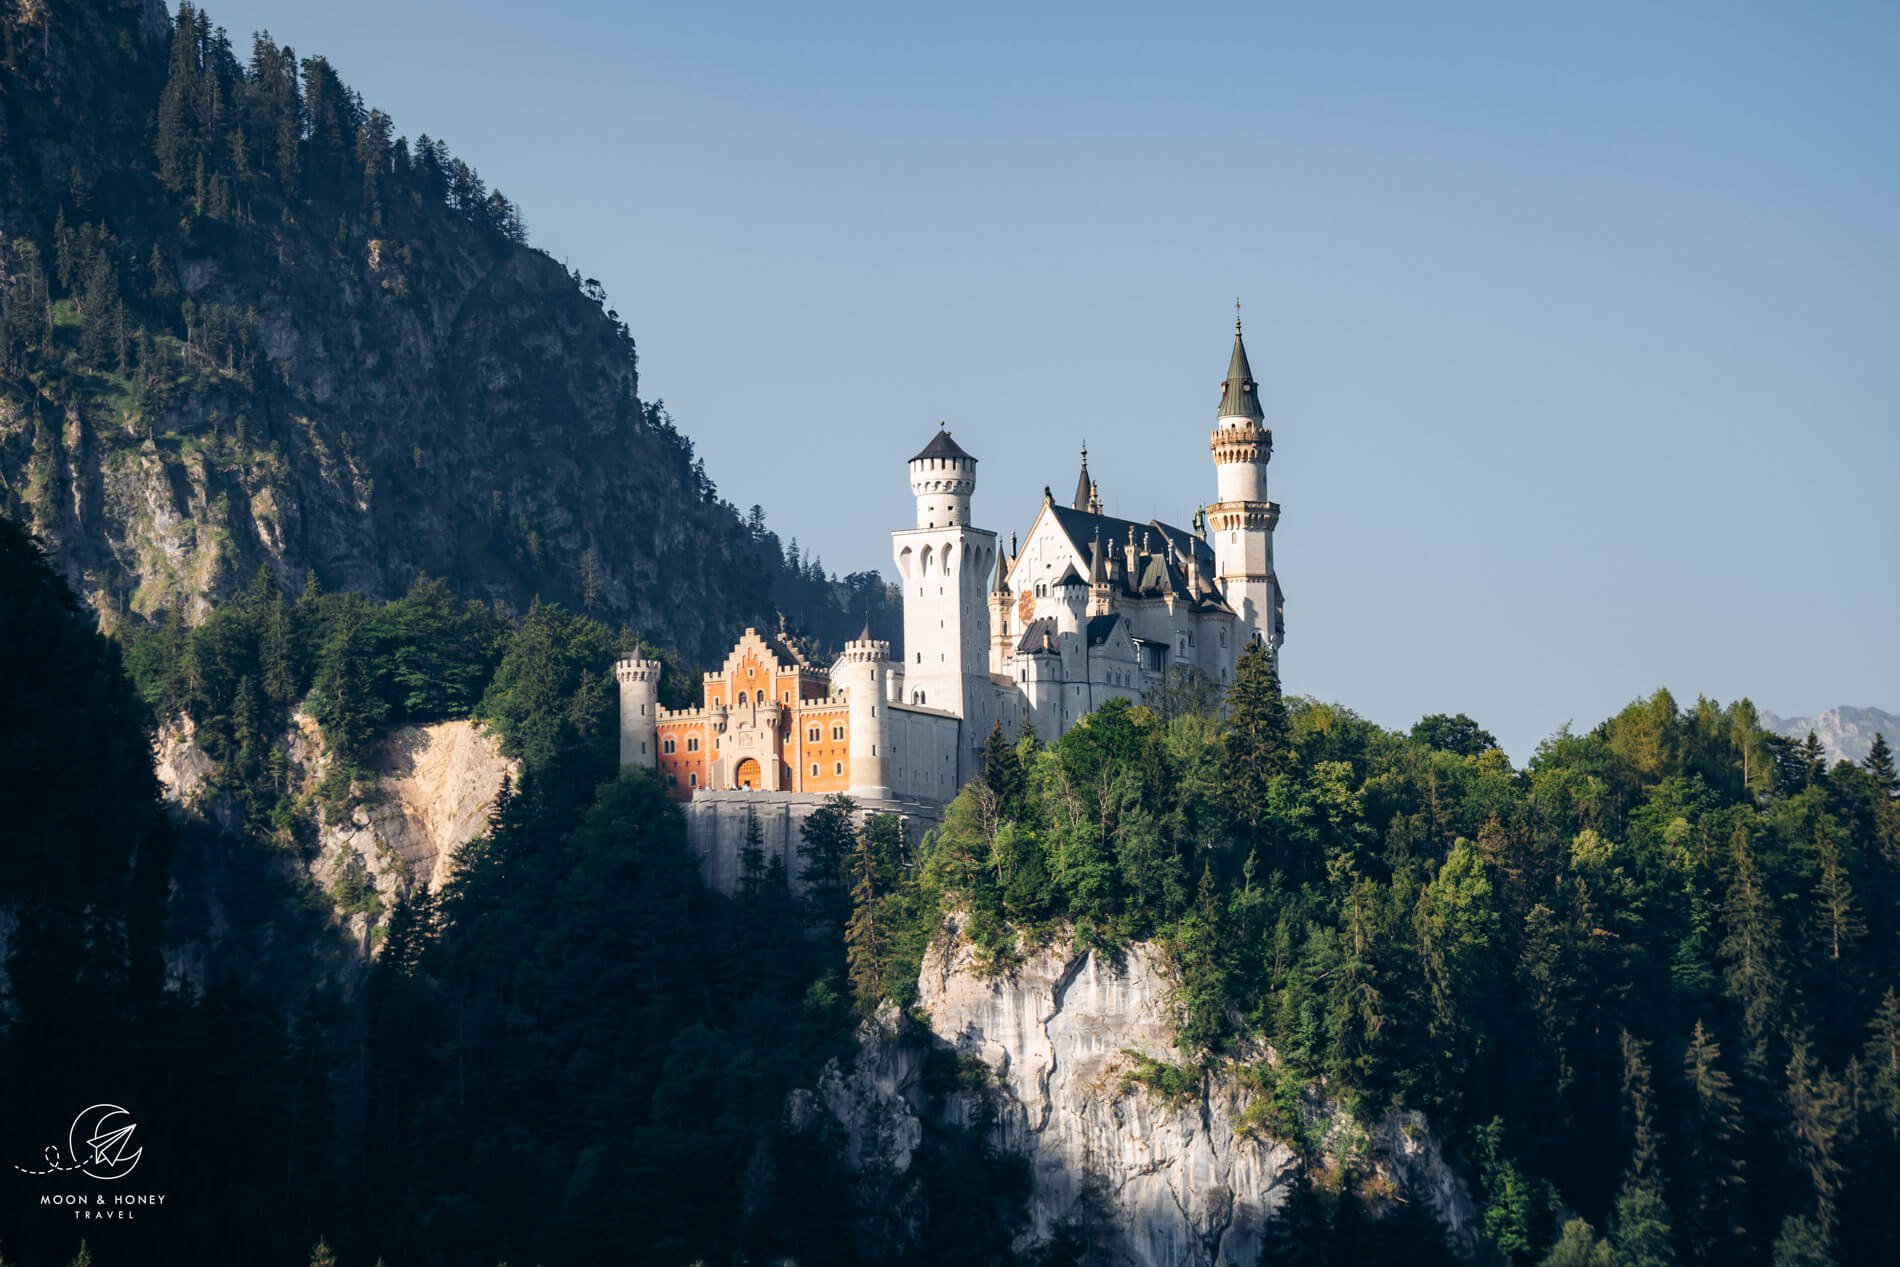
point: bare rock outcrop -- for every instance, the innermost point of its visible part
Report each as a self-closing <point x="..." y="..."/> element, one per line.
<point x="1188" y="1179"/>
<point x="427" y="792"/>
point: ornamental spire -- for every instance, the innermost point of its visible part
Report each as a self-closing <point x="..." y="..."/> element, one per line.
<point x="1083" y="485"/>
<point x="1240" y="395"/>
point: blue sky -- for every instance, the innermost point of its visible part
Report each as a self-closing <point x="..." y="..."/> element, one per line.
<point x="1579" y="329"/>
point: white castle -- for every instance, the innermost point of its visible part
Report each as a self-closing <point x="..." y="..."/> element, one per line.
<point x="1089" y="608"/>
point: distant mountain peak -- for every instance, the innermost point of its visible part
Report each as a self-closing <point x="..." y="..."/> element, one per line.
<point x="1846" y="732"/>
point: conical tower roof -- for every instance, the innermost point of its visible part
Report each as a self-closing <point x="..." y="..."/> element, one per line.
<point x="1083" y="485"/>
<point x="1240" y="395"/>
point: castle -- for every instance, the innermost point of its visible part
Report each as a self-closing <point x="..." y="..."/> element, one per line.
<point x="1087" y="609"/>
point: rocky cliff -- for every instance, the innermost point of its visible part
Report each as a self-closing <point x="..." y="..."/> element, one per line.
<point x="428" y="792"/>
<point x="1183" y="1174"/>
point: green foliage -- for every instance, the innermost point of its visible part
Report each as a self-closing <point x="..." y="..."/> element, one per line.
<point x="1173" y="1085"/>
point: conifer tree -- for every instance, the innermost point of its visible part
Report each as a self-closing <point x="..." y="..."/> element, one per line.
<point x="1879" y="763"/>
<point x="867" y="935"/>
<point x="1713" y="1181"/>
<point x="1879" y="1090"/>
<point x="1003" y="773"/>
<point x="1813" y="759"/>
<point x="1802" y="1244"/>
<point x="1641" y="1231"/>
<point x="752" y="857"/>
<point x="1578" y="1245"/>
<point x="1838" y="914"/>
<point x="1819" y="1120"/>
<point x="1258" y="743"/>
<point x="1751" y="947"/>
<point x="830" y="835"/>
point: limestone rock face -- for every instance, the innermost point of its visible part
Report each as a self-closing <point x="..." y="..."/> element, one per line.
<point x="1153" y="1181"/>
<point x="433" y="790"/>
<point x="429" y="793"/>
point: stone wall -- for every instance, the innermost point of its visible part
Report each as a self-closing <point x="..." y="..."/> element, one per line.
<point x="716" y="827"/>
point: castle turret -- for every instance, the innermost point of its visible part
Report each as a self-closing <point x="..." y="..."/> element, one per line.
<point x="1002" y="617"/>
<point x="639" y="710"/>
<point x="1240" y="525"/>
<point x="863" y="672"/>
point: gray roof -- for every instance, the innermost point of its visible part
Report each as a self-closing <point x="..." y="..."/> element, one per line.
<point x="1035" y="633"/>
<point x="1081" y="527"/>
<point x="1101" y="627"/>
<point x="942" y="446"/>
<point x="1240" y="395"/>
<point x="1070" y="577"/>
<point x="1082" y="484"/>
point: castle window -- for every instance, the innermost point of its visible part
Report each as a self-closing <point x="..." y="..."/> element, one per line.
<point x="920" y="657"/>
<point x="692" y="745"/>
<point x="812" y="734"/>
<point x="837" y="767"/>
<point x="814" y="769"/>
<point x="667" y="746"/>
<point x="837" y="732"/>
<point x="692" y="780"/>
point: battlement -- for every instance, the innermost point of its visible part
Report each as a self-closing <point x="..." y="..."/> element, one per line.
<point x="862" y="652"/>
<point x="635" y="669"/>
<point x="1248" y="443"/>
<point x="1228" y="516"/>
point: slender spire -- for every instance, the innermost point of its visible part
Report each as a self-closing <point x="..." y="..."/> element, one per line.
<point x="1082" y="483"/>
<point x="865" y="634"/>
<point x="1098" y="570"/>
<point x="1002" y="572"/>
<point x="1240" y="395"/>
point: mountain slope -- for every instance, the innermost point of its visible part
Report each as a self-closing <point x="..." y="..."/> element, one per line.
<point x="247" y="325"/>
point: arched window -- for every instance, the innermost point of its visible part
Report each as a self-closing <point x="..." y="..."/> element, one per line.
<point x="758" y="697"/>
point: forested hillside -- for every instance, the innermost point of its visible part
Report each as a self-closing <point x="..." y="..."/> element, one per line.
<point x="1643" y="988"/>
<point x="244" y="322"/>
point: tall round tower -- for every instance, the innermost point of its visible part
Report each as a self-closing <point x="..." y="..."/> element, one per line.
<point x="639" y="710"/>
<point x="1240" y="525"/>
<point x="944" y="565"/>
<point x="863" y="673"/>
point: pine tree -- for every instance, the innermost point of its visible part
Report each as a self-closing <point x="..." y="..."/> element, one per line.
<point x="1640" y="1230"/>
<point x="830" y="835"/>
<point x="1819" y="1119"/>
<point x="867" y="936"/>
<point x="1751" y="947"/>
<point x="1578" y="1245"/>
<point x="1802" y="1244"/>
<point x="1880" y="763"/>
<point x="1003" y="774"/>
<point x="1711" y="1138"/>
<point x="1813" y="759"/>
<point x="1880" y="1067"/>
<point x="1258" y="743"/>
<point x="752" y="858"/>
<point x="1838" y="913"/>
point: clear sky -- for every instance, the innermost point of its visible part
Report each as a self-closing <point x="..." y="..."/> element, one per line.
<point x="1578" y="327"/>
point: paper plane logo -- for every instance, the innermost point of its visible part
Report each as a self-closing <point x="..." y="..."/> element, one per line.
<point x="100" y="1144"/>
